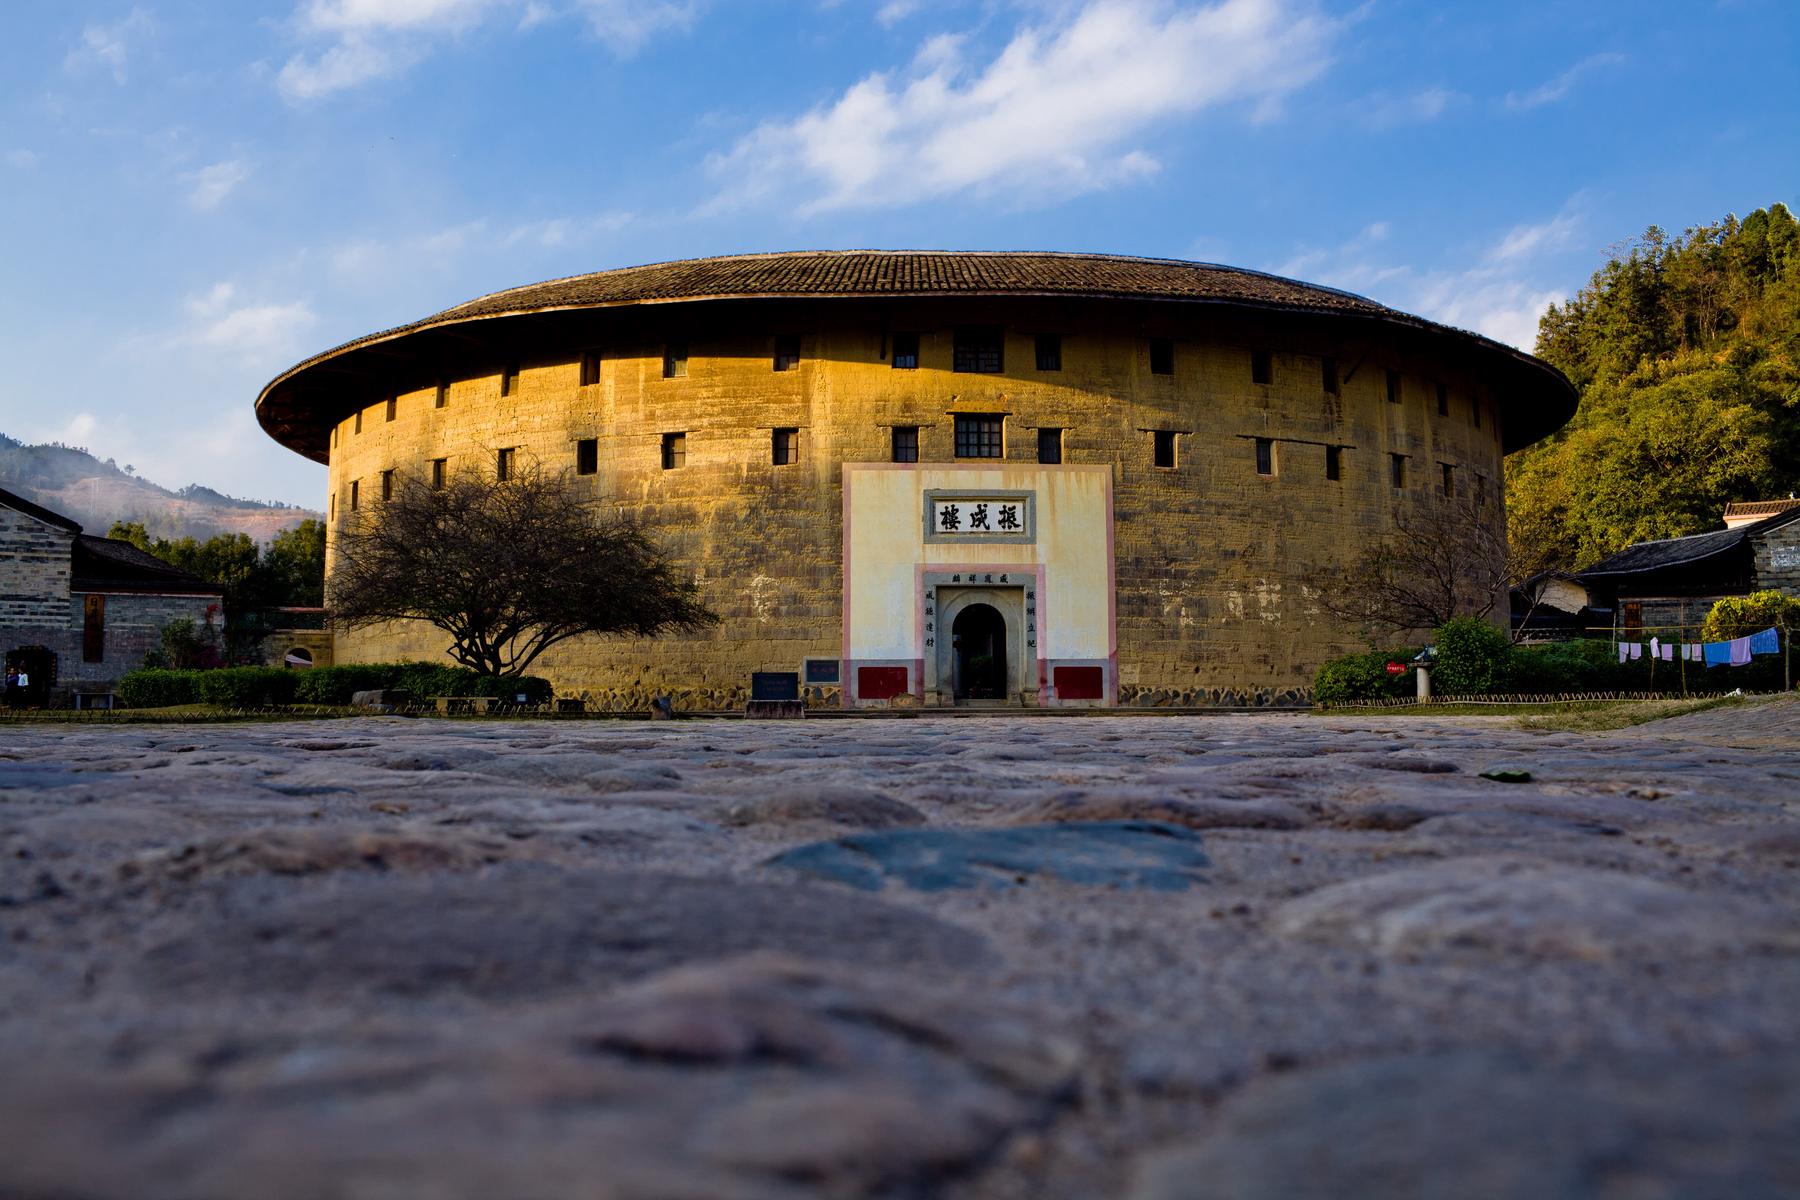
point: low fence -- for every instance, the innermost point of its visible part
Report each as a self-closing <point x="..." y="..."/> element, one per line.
<point x="1519" y="698"/>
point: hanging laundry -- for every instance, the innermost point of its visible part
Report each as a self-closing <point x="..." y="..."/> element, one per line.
<point x="1655" y="648"/>
<point x="1668" y="652"/>
<point x="1691" y="652"/>
<point x="1740" y="652"/>
<point x="1766" y="642"/>
<point x="1624" y="651"/>
<point x="1637" y="649"/>
<point x="1717" y="654"/>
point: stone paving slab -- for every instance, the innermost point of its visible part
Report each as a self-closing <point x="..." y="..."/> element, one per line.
<point x="462" y="958"/>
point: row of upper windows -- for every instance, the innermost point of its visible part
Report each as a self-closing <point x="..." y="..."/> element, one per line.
<point x="977" y="435"/>
<point x="976" y="349"/>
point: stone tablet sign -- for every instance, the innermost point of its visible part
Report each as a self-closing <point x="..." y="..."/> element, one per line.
<point x="774" y="685"/>
<point x="980" y="516"/>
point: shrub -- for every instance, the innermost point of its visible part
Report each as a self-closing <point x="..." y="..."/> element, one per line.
<point x="246" y="687"/>
<point x="1739" y="616"/>
<point x="1471" y="657"/>
<point x="419" y="680"/>
<point x="335" y="685"/>
<point x="156" y="687"/>
<point x="1364" y="677"/>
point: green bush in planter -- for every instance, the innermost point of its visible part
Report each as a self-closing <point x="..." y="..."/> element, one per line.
<point x="1364" y="677"/>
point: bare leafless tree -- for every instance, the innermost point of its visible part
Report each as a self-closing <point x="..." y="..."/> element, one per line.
<point x="508" y="568"/>
<point x="1444" y="559"/>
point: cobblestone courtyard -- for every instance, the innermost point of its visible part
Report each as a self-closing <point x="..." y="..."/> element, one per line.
<point x="1157" y="958"/>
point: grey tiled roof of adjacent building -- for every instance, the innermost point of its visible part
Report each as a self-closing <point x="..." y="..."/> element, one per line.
<point x="1681" y="551"/>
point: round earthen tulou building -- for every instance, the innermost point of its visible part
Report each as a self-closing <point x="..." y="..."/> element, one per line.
<point x="937" y="478"/>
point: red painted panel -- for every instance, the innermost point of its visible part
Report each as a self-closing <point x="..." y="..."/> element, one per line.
<point x="880" y="683"/>
<point x="1080" y="683"/>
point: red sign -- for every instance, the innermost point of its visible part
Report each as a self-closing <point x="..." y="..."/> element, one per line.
<point x="1395" y="668"/>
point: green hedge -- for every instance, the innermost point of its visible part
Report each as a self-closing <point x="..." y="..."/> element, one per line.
<point x="256" y="687"/>
<point x="1365" y="677"/>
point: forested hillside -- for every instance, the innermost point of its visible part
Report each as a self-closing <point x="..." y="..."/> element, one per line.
<point x="1686" y="351"/>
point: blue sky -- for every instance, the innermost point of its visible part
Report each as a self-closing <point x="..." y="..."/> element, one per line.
<point x="194" y="194"/>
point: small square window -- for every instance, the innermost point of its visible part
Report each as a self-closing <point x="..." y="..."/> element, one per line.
<point x="509" y="379"/>
<point x="1334" y="462"/>
<point x="1443" y="398"/>
<point x="1449" y="479"/>
<point x="906" y="351"/>
<point x="590" y="368"/>
<point x="674" y="451"/>
<point x="387" y="486"/>
<point x="439" y="468"/>
<point x="355" y="494"/>
<point x="675" y="358"/>
<point x="503" y="465"/>
<point x="785" y="447"/>
<point x="906" y="443"/>
<point x="1162" y="356"/>
<point x="979" y="349"/>
<point x="1393" y="387"/>
<point x="980" y="435"/>
<point x="1049" y="352"/>
<point x="587" y="456"/>
<point x="443" y="395"/>
<point x="1163" y="448"/>
<point x="1050" y="445"/>
<point x="1397" y="469"/>
<point x="1262" y="367"/>
<point x="359" y="420"/>
<point x="1329" y="376"/>
<point x="1265" y="456"/>
<point x="787" y="352"/>
<point x="393" y="407"/>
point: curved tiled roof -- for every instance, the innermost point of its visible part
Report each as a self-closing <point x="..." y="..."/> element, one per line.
<point x="1684" y="551"/>
<point x="877" y="273"/>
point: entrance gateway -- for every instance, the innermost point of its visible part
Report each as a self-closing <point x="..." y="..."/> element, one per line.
<point x="978" y="584"/>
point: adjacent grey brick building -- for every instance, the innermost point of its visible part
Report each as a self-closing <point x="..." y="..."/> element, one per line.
<point x="77" y="611"/>
<point x="1675" y="582"/>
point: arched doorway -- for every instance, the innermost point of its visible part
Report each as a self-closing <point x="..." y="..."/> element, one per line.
<point x="978" y="637"/>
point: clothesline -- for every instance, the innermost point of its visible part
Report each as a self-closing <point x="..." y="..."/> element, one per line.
<point x="1736" y="652"/>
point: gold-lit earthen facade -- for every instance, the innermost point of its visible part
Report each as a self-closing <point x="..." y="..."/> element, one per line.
<point x="1196" y="450"/>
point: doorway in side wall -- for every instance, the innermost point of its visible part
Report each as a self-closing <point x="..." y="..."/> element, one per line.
<point x="979" y="640"/>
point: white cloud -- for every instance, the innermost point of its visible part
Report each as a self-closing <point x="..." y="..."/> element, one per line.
<point x="22" y="159"/>
<point x="895" y="11"/>
<point x="374" y="39"/>
<point x="109" y="46"/>
<point x="1563" y="84"/>
<point x="1383" y="110"/>
<point x="251" y="331"/>
<point x="209" y="186"/>
<point x="1500" y="295"/>
<point x="1052" y="115"/>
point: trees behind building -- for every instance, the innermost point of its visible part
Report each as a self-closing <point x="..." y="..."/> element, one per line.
<point x="1686" y="351"/>
<point x="506" y="568"/>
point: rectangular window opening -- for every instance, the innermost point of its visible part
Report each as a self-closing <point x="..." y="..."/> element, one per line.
<point x="1397" y="469"/>
<point x="674" y="451"/>
<point x="1481" y="492"/>
<point x="1049" y="352"/>
<point x="359" y="420"/>
<point x="979" y="348"/>
<point x="980" y="435"/>
<point x="785" y="447"/>
<point x="1265" y="456"/>
<point x="1162" y="356"/>
<point x="675" y="360"/>
<point x="906" y="352"/>
<point x="787" y="352"/>
<point x="590" y="368"/>
<point x="509" y="379"/>
<point x="387" y="486"/>
<point x="439" y="468"/>
<point x="503" y="465"/>
<point x="1334" y="462"/>
<point x="1449" y="473"/>
<point x="93" y="629"/>
<point x="355" y="494"/>
<point x="1393" y="387"/>
<point x="1329" y="376"/>
<point x="334" y="435"/>
<point x="1475" y="411"/>
<point x="587" y="456"/>
<point x="1162" y="448"/>
<point x="393" y="407"/>
<point x="443" y="395"/>
<point x="1443" y="399"/>
<point x="1262" y="367"/>
<point x="1050" y="445"/>
<point x="906" y="443"/>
